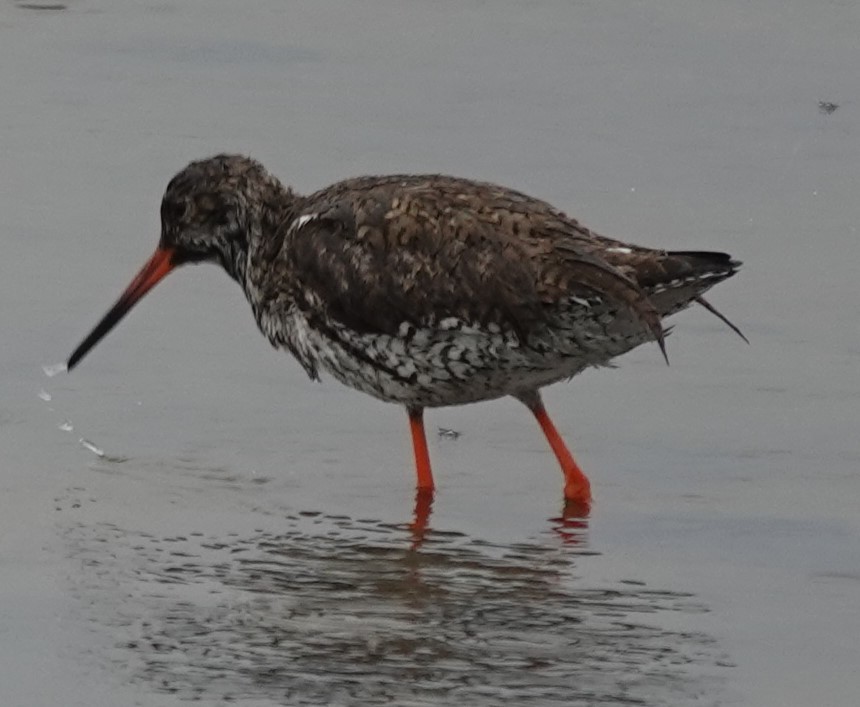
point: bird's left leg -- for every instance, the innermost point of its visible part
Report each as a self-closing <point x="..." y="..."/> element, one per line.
<point x="576" y="485"/>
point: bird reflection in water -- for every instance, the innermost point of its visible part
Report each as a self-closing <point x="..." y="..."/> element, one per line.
<point x="571" y="526"/>
<point x="335" y="610"/>
<point x="421" y="517"/>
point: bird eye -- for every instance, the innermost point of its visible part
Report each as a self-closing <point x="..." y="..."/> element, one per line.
<point x="220" y="217"/>
<point x="173" y="211"/>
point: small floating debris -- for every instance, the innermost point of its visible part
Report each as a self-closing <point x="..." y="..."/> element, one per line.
<point x="448" y="433"/>
<point x="86" y="444"/>
<point x="45" y="395"/>
<point x="66" y="426"/>
<point x="53" y="370"/>
<point x="827" y="107"/>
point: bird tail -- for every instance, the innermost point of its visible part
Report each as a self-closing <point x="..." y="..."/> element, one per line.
<point x="682" y="277"/>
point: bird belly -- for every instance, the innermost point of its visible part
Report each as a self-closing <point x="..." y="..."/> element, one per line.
<point x="455" y="363"/>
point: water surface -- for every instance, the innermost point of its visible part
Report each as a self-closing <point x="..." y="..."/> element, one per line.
<point x="247" y="536"/>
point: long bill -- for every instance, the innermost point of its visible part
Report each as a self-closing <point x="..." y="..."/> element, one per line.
<point x="161" y="263"/>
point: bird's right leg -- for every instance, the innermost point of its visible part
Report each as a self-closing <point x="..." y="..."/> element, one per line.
<point x="419" y="446"/>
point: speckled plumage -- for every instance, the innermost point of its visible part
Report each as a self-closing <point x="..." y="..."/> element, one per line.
<point x="431" y="290"/>
<point x="424" y="290"/>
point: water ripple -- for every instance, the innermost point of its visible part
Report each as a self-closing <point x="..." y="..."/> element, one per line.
<point x="335" y="611"/>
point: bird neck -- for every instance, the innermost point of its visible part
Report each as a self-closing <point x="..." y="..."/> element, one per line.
<point x="267" y="227"/>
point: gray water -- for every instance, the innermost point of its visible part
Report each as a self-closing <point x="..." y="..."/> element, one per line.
<point x="248" y="536"/>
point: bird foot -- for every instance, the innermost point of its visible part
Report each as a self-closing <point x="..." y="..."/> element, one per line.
<point x="576" y="509"/>
<point x="577" y="495"/>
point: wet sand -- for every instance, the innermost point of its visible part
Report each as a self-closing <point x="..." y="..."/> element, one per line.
<point x="248" y="536"/>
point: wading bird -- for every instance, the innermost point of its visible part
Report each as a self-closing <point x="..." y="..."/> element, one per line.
<point x="423" y="290"/>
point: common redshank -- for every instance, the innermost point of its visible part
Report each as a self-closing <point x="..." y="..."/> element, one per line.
<point x="423" y="290"/>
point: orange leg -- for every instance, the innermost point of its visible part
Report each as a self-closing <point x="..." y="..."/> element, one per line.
<point x="576" y="486"/>
<point x="422" y="456"/>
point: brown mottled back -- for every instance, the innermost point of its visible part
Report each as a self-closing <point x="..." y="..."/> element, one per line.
<point x="420" y="248"/>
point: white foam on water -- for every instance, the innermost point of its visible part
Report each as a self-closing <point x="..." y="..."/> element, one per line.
<point x="450" y="434"/>
<point x="54" y="369"/>
<point x="86" y="444"/>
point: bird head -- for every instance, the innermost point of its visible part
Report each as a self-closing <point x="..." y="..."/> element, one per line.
<point x="208" y="213"/>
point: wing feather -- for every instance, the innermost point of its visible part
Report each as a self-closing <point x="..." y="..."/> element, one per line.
<point x="375" y="254"/>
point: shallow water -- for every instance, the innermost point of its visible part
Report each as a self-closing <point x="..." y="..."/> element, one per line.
<point x="330" y="610"/>
<point x="249" y="537"/>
